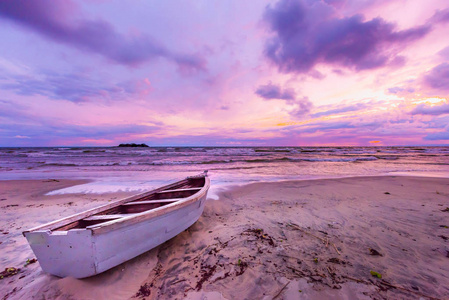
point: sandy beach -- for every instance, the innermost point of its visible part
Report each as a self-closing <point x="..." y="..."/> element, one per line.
<point x="313" y="239"/>
<point x="321" y="124"/>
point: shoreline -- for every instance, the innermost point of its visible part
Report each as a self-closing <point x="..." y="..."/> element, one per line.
<point x="69" y="183"/>
<point x="262" y="238"/>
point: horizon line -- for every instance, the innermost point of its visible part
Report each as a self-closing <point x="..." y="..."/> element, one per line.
<point x="236" y="146"/>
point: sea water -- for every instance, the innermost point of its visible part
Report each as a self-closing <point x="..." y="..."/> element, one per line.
<point x="112" y="169"/>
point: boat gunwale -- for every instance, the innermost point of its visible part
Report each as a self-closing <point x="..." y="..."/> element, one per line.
<point x="149" y="214"/>
<point x="52" y="226"/>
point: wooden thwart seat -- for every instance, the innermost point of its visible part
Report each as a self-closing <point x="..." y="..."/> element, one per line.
<point x="180" y="190"/>
<point x="153" y="201"/>
<point x="107" y="217"/>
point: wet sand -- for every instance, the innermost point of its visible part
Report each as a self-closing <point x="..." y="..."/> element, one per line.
<point x="317" y="239"/>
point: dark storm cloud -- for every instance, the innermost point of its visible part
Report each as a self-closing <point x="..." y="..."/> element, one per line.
<point x="309" y="33"/>
<point x="50" y="18"/>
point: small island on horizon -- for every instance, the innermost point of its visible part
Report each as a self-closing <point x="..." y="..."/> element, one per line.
<point x="133" y="145"/>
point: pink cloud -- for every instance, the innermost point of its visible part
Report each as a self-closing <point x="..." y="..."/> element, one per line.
<point x="435" y="110"/>
<point x="437" y="79"/>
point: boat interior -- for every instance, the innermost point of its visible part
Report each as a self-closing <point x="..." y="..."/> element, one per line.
<point x="148" y="201"/>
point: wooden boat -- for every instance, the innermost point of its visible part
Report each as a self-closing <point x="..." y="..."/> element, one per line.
<point x="98" y="239"/>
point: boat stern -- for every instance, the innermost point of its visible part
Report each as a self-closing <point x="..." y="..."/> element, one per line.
<point x="64" y="253"/>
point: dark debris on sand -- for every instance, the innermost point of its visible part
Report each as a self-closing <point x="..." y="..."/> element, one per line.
<point x="260" y="235"/>
<point x="8" y="272"/>
<point x="374" y="252"/>
<point x="219" y="264"/>
<point x="146" y="288"/>
<point x="444" y="237"/>
<point x="144" y="291"/>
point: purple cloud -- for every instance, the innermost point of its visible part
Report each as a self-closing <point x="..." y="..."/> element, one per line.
<point x="438" y="78"/>
<point x="397" y="90"/>
<point x="355" y="107"/>
<point x="12" y="112"/>
<point x="303" y="107"/>
<point x="323" y="126"/>
<point x="97" y="36"/>
<point x="21" y="122"/>
<point x="441" y="16"/>
<point x="72" y="87"/>
<point x="272" y="91"/>
<point x="310" y="33"/>
<point x="440" y="122"/>
<point x="336" y="3"/>
<point x="436" y="110"/>
<point x="444" y="53"/>
<point x="48" y="132"/>
<point x="437" y="136"/>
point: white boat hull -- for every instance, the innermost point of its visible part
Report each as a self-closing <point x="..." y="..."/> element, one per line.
<point x="86" y="252"/>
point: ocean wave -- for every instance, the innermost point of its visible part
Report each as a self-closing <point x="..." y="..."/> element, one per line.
<point x="93" y="151"/>
<point x="340" y="159"/>
<point x="205" y="161"/>
<point x="219" y="158"/>
<point x="60" y="165"/>
<point x="387" y="157"/>
<point x="273" y="150"/>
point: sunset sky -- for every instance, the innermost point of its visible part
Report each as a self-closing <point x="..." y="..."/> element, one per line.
<point x="224" y="73"/>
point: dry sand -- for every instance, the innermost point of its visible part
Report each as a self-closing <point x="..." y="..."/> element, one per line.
<point x="259" y="241"/>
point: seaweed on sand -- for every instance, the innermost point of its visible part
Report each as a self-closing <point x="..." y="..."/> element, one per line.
<point x="8" y="272"/>
<point x="206" y="272"/>
<point x="260" y="235"/>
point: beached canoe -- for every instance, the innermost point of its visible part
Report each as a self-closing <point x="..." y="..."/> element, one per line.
<point x="96" y="240"/>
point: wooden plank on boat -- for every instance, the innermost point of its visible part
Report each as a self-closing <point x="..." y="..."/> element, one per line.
<point x="61" y="223"/>
<point x="152" y="213"/>
<point x="154" y="201"/>
<point x="107" y="217"/>
<point x="180" y="190"/>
